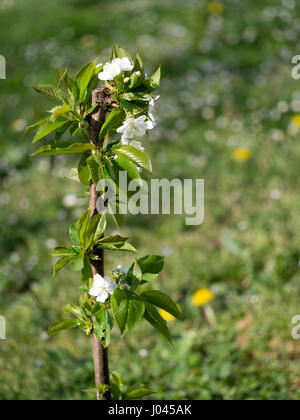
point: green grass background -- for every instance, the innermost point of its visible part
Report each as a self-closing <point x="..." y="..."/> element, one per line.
<point x="226" y="83"/>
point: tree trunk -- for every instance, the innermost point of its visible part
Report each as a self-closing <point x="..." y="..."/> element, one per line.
<point x="96" y="121"/>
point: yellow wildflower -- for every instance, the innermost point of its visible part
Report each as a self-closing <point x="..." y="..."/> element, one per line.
<point x="202" y="297"/>
<point x="296" y="120"/>
<point x="215" y="7"/>
<point x="241" y="154"/>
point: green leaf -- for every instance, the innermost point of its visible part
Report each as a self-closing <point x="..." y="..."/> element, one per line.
<point x="47" y="129"/>
<point x="134" y="276"/>
<point x="86" y="273"/>
<point x="152" y="316"/>
<point x="113" y="239"/>
<point x="83" y="171"/>
<point x="91" y="231"/>
<point x="152" y="264"/>
<point x="61" y="263"/>
<point x="116" y="386"/>
<point x="147" y="277"/>
<point x="124" y="247"/>
<point x="115" y="243"/>
<point x="60" y="326"/>
<point x="136" y="394"/>
<point x="122" y="53"/>
<point x="50" y="91"/>
<point x="82" y="226"/>
<point x="163" y="301"/>
<point x="102" y="389"/>
<point x="154" y="81"/>
<point x="113" y="121"/>
<point x="63" y="149"/>
<point x="74" y="235"/>
<point x="100" y="228"/>
<point x="136" y="156"/>
<point x="94" y="169"/>
<point x="41" y="122"/>
<point x="128" y="167"/>
<point x="77" y="312"/>
<point x="63" y="252"/>
<point x="83" y="79"/>
<point x="77" y="263"/>
<point x="128" y="309"/>
<point x="102" y="327"/>
<point x="59" y="111"/>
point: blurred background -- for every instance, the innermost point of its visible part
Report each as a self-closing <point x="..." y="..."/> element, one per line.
<point x="229" y="113"/>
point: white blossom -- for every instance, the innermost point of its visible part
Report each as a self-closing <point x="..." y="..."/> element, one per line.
<point x="134" y="127"/>
<point x="152" y="109"/>
<point x="113" y="69"/>
<point x="102" y="288"/>
<point x="126" y="64"/>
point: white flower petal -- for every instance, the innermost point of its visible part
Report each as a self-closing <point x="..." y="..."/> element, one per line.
<point x="102" y="297"/>
<point x="126" y="64"/>
<point x="105" y="76"/>
<point x="97" y="285"/>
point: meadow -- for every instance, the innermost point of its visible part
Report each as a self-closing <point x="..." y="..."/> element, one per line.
<point x="229" y="113"/>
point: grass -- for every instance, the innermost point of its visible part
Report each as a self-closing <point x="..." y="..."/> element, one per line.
<point x="226" y="84"/>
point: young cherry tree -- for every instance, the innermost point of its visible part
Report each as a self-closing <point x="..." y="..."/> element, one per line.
<point x="108" y="119"/>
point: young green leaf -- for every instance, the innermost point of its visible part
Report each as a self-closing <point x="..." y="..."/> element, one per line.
<point x="94" y="169"/>
<point x="152" y="264"/>
<point x="152" y="316"/>
<point x="60" y="326"/>
<point x="136" y="156"/>
<point x="113" y="121"/>
<point x="41" y="122"/>
<point x="136" y="394"/>
<point x="77" y="311"/>
<point x="163" y="301"/>
<point x="82" y="226"/>
<point x="61" y="263"/>
<point x="100" y="228"/>
<point x="115" y="243"/>
<point x="47" y="129"/>
<point x="83" y="171"/>
<point x="59" y="111"/>
<point x="91" y="231"/>
<point x="154" y="81"/>
<point x="128" y="309"/>
<point x="102" y="327"/>
<point x="50" y="91"/>
<point x="83" y="79"/>
<point x="77" y="263"/>
<point x="86" y="272"/>
<point x="74" y="235"/>
<point x="63" y="252"/>
<point x="127" y="166"/>
<point x="63" y="149"/>
<point x="134" y="276"/>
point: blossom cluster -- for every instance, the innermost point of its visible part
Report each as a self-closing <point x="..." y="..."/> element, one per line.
<point x="113" y="69"/>
<point x="132" y="127"/>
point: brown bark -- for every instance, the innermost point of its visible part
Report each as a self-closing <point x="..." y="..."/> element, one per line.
<point x="96" y="121"/>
